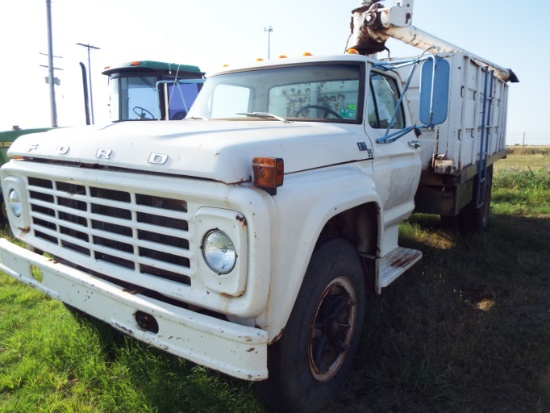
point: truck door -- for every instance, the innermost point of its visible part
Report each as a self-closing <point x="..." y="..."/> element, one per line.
<point x="396" y="164"/>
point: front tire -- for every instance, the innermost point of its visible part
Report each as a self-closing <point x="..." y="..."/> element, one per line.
<point x="3" y="212"/>
<point x="314" y="357"/>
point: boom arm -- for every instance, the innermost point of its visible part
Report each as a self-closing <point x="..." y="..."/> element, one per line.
<point x="372" y="25"/>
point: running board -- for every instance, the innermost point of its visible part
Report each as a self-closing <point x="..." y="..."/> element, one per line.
<point x="394" y="264"/>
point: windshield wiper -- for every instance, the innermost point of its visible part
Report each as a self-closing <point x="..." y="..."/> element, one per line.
<point x="264" y="115"/>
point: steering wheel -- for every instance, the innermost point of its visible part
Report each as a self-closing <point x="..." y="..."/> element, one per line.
<point x="327" y="111"/>
<point x="142" y="113"/>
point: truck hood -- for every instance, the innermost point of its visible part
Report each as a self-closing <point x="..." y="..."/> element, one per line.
<point x="217" y="150"/>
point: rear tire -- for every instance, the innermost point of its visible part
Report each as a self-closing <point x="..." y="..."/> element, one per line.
<point x="472" y="218"/>
<point x="314" y="357"/>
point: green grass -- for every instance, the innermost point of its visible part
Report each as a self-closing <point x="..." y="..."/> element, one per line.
<point x="521" y="185"/>
<point x="51" y="361"/>
<point x="465" y="330"/>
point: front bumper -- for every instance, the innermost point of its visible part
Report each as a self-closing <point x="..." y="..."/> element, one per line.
<point x="233" y="349"/>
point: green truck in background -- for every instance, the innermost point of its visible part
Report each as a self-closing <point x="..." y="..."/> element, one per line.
<point x="7" y="137"/>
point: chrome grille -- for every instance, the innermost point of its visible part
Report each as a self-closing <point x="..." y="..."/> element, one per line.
<point x="139" y="232"/>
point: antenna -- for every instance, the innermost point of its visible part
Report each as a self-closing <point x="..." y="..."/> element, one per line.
<point x="268" y="30"/>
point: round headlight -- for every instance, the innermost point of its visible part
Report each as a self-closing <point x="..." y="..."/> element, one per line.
<point x="219" y="252"/>
<point x="14" y="200"/>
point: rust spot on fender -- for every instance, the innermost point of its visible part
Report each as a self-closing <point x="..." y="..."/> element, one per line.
<point x="241" y="219"/>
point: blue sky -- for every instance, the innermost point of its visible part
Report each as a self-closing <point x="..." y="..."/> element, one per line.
<point x="210" y="33"/>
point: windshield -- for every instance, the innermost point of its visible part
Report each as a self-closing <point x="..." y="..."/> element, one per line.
<point x="146" y="97"/>
<point x="321" y="92"/>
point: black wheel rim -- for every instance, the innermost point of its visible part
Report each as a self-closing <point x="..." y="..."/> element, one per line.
<point x="332" y="328"/>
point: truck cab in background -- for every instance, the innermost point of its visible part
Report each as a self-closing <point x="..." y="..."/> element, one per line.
<point x="151" y="90"/>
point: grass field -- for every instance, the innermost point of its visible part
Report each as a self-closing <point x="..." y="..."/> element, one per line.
<point x="522" y="182"/>
<point x="465" y="330"/>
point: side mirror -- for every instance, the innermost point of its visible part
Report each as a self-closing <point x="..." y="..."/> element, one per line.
<point x="434" y="91"/>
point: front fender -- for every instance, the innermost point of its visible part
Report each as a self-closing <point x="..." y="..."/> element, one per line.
<point x="305" y="203"/>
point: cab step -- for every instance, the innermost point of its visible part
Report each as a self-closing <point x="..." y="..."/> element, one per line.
<point x="394" y="264"/>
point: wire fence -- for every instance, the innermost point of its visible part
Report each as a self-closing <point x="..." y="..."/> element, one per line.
<point x="528" y="139"/>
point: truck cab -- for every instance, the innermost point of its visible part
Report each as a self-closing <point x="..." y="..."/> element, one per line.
<point x="152" y="90"/>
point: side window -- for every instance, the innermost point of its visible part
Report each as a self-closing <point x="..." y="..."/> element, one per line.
<point x="115" y="98"/>
<point x="383" y="100"/>
<point x="181" y="96"/>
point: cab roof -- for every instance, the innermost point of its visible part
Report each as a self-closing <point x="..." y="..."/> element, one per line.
<point x="154" y="66"/>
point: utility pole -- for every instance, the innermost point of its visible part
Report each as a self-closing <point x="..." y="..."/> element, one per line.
<point x="51" y="79"/>
<point x="268" y="30"/>
<point x="88" y="46"/>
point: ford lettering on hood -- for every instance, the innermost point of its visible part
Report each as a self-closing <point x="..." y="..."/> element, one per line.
<point x="217" y="150"/>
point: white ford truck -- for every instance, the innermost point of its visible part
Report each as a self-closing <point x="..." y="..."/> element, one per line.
<point x="246" y="237"/>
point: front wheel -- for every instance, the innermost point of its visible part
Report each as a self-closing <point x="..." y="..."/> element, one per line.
<point x="313" y="358"/>
<point x="3" y="212"/>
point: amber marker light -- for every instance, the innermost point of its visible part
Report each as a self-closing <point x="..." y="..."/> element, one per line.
<point x="307" y="54"/>
<point x="352" y="51"/>
<point x="268" y="173"/>
<point x="135" y="63"/>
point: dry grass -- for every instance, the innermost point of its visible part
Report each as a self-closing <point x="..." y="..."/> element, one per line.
<point x="525" y="157"/>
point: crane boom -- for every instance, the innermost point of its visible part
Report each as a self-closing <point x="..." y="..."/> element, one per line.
<point x="373" y="24"/>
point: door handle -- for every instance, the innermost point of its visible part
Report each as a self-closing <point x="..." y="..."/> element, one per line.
<point x="415" y="144"/>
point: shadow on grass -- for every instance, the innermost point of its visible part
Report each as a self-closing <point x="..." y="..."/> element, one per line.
<point x="465" y="330"/>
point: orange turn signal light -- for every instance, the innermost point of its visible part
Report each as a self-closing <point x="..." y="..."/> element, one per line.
<point x="352" y="51"/>
<point x="268" y="173"/>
